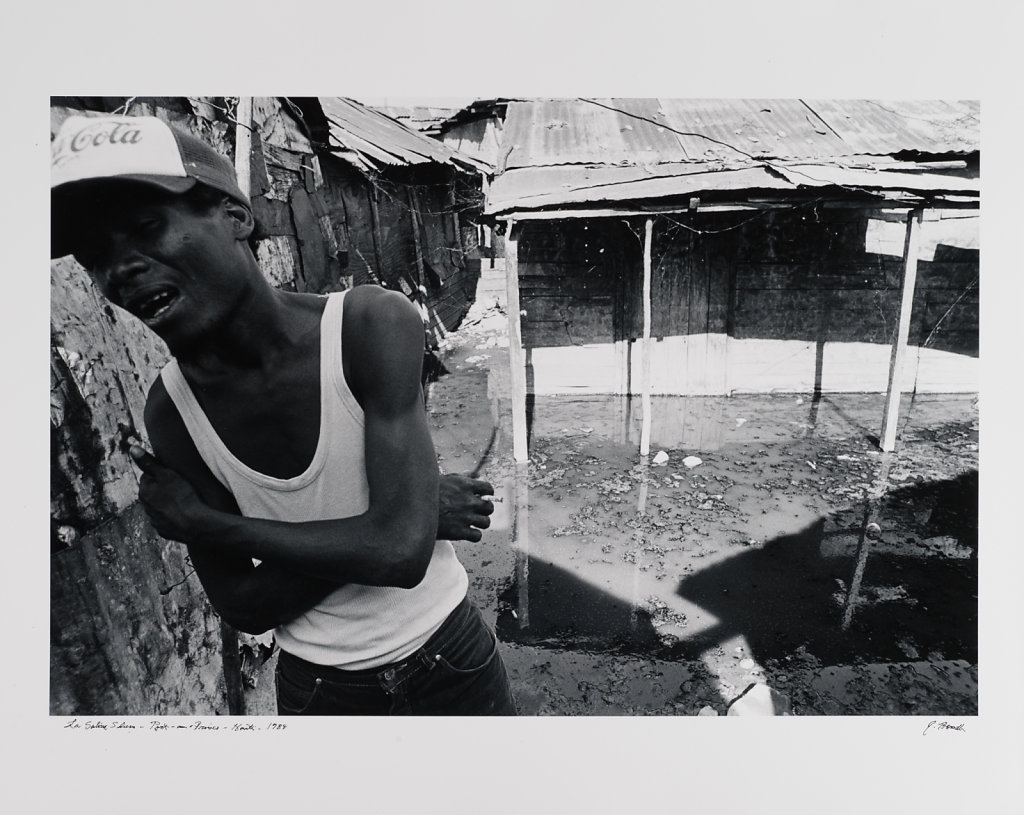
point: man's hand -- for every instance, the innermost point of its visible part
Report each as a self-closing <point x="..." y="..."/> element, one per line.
<point x="174" y="509"/>
<point x="462" y="509"/>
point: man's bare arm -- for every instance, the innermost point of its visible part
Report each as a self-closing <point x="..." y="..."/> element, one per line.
<point x="392" y="542"/>
<point x="257" y="598"/>
<point x="251" y="598"/>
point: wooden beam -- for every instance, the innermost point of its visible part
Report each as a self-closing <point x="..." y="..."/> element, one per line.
<point x="521" y="542"/>
<point x="414" y="211"/>
<point x="243" y="144"/>
<point x="516" y="355"/>
<point x="899" y="348"/>
<point x="645" y="369"/>
<point x="378" y="247"/>
<point x="950" y="202"/>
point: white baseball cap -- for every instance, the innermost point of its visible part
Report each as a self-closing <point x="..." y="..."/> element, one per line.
<point x="142" y="149"/>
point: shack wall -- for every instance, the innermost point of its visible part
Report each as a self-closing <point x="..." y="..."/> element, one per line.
<point x="792" y="300"/>
<point x="131" y="630"/>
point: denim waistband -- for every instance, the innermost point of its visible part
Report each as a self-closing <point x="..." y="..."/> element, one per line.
<point x="394" y="672"/>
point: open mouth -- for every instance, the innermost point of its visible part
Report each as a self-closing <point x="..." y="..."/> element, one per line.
<point x="152" y="305"/>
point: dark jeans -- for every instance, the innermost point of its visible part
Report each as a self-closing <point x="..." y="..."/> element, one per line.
<point x="457" y="673"/>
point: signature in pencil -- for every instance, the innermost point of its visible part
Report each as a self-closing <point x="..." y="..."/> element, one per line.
<point x="943" y="726"/>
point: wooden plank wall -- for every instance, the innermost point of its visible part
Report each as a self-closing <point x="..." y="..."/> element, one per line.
<point x="781" y="299"/>
<point x="573" y="280"/>
<point x="450" y="281"/>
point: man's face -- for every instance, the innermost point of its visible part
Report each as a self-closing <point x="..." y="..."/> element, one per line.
<point x="177" y="267"/>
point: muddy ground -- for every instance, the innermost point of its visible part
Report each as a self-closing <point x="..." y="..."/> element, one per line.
<point x="769" y="543"/>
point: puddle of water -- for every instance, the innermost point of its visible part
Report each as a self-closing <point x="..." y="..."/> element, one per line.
<point x="794" y="544"/>
<point x="784" y="541"/>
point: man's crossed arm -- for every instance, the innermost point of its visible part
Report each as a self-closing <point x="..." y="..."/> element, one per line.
<point x="390" y="544"/>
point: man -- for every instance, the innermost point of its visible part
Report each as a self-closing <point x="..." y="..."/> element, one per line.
<point x="288" y="428"/>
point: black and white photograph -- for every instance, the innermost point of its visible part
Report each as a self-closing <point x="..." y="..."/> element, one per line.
<point x="536" y="408"/>
<point x="695" y="381"/>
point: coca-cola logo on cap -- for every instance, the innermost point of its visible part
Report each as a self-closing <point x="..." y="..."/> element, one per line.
<point x="99" y="134"/>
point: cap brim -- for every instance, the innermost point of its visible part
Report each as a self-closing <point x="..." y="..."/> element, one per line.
<point x="70" y="202"/>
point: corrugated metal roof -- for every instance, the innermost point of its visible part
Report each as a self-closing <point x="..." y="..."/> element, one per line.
<point x="559" y="186"/>
<point x="421" y="118"/>
<point x="536" y="187"/>
<point x="822" y="175"/>
<point x="378" y="140"/>
<point x="572" y="151"/>
<point x="645" y="131"/>
<point x="877" y="127"/>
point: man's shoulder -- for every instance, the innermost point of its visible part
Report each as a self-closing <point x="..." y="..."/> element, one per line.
<point x="374" y="303"/>
<point x="383" y="332"/>
<point x="376" y="318"/>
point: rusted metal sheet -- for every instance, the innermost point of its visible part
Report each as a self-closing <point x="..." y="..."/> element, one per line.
<point x="819" y="175"/>
<point x="421" y="118"/>
<point x="552" y="186"/>
<point x="927" y="126"/>
<point x="724" y="129"/>
<point x="380" y="139"/>
<point x="576" y="151"/>
<point x="657" y="131"/>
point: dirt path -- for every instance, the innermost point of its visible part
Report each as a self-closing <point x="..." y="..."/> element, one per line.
<point x="794" y="554"/>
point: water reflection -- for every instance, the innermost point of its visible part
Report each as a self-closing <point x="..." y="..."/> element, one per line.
<point x="644" y="559"/>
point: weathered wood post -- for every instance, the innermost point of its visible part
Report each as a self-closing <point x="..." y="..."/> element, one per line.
<point x="516" y="356"/>
<point x="243" y="144"/>
<point x="645" y="370"/>
<point x="899" y="348"/>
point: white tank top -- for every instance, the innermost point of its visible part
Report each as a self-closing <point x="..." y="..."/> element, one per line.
<point x="356" y="626"/>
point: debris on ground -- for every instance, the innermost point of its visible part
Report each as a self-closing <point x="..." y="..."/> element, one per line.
<point x="621" y="589"/>
<point x="760" y="700"/>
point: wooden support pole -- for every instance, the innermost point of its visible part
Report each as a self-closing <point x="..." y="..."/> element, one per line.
<point x="899" y="348"/>
<point x="419" y="296"/>
<point x="521" y="541"/>
<point x="516" y="355"/>
<point x="645" y="370"/>
<point x="417" y="225"/>
<point x="243" y="144"/>
<point x="378" y="247"/>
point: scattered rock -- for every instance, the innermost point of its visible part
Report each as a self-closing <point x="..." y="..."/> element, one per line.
<point x="707" y="710"/>
<point x="746" y="664"/>
<point x="692" y="461"/>
<point x="662" y="458"/>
